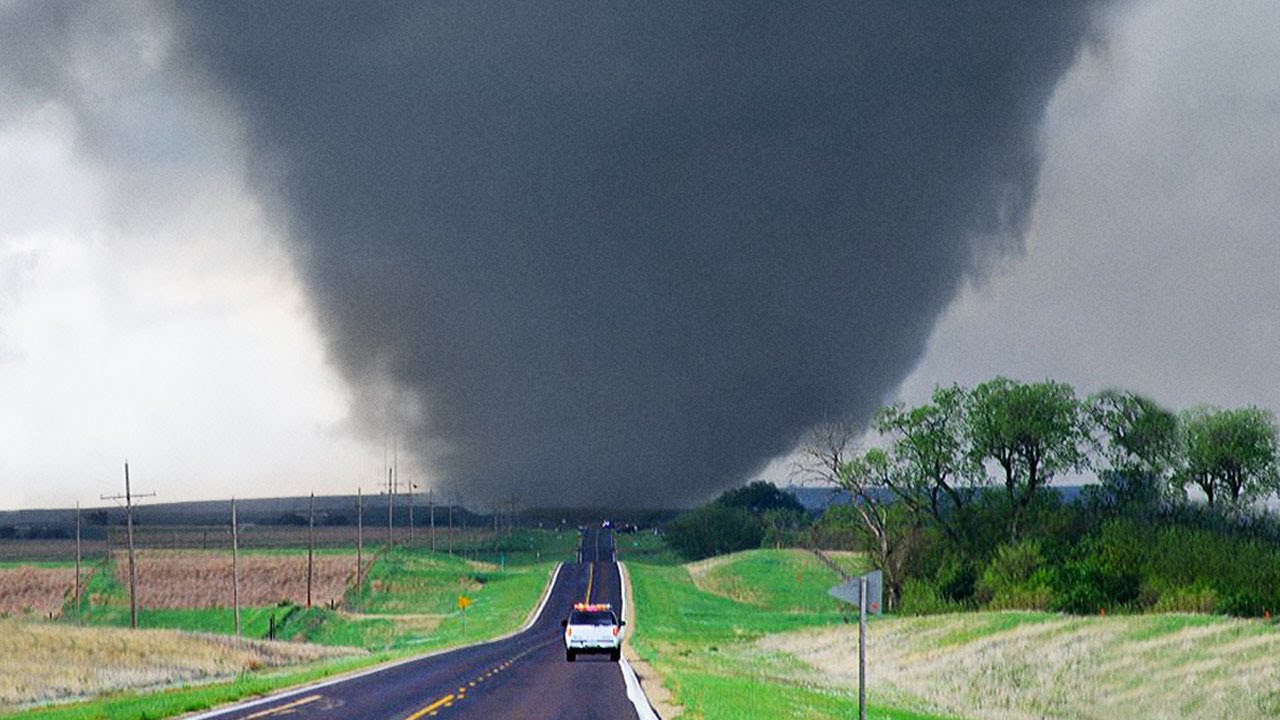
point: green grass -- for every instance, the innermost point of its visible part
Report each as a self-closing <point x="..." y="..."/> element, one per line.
<point x="851" y="563"/>
<point x="524" y="546"/>
<point x="789" y="580"/>
<point x="41" y="564"/>
<point x="409" y="607"/>
<point x="647" y="548"/>
<point x="1154" y="626"/>
<point x="701" y="642"/>
<point x="410" y="587"/>
<point x="993" y="623"/>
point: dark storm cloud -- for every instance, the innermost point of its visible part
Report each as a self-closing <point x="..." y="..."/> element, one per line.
<point x="627" y="252"/>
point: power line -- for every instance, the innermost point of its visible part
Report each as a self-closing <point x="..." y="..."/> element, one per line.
<point x="128" y="497"/>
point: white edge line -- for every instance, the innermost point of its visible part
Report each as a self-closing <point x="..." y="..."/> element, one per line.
<point x="635" y="693"/>
<point x="546" y="595"/>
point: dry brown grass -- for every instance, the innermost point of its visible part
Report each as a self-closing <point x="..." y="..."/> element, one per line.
<point x="1055" y="667"/>
<point x="35" y="591"/>
<point x="196" y="579"/>
<point x="48" y="662"/>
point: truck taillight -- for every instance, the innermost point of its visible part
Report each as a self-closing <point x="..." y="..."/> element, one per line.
<point x="568" y="632"/>
<point x="615" y="631"/>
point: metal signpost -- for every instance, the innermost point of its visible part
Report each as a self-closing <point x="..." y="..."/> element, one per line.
<point x="867" y="592"/>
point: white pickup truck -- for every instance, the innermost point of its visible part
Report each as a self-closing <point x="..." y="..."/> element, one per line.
<point x="592" y="628"/>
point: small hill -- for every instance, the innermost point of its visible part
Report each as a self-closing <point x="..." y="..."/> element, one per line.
<point x="790" y="580"/>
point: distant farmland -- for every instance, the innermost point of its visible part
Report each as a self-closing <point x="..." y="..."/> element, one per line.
<point x="39" y="591"/>
<point x="99" y="541"/>
<point x="199" y="579"/>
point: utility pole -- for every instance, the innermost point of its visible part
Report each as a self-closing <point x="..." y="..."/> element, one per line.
<point x="431" y="503"/>
<point x="235" y="565"/>
<point x="391" y="502"/>
<point x="133" y="566"/>
<point x="311" y="544"/>
<point x="359" y="549"/>
<point x="78" y="621"/>
<point x="395" y="464"/>
<point x="412" y="486"/>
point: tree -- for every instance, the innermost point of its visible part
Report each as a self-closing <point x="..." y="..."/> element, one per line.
<point x="828" y="455"/>
<point x="1231" y="452"/>
<point x="892" y="531"/>
<point x="1031" y="431"/>
<point x="714" y="529"/>
<point x="928" y="443"/>
<point x="759" y="497"/>
<point x="1139" y="443"/>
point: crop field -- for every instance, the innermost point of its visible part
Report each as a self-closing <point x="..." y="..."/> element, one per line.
<point x="1015" y="666"/>
<point x="407" y="604"/>
<point x="40" y="662"/>
<point x="697" y="626"/>
<point x="198" y="579"/>
<point x="35" y="591"/>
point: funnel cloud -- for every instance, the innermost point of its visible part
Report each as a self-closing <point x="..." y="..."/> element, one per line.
<point x="626" y="253"/>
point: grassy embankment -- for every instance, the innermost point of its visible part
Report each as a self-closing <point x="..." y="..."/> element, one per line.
<point x="699" y="626"/>
<point x="407" y="605"/>
<point x="752" y="635"/>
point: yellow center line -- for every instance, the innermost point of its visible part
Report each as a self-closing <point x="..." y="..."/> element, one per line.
<point x="432" y="707"/>
<point x="591" y="576"/>
<point x="284" y="708"/>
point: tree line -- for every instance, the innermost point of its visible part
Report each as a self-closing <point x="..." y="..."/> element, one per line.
<point x="953" y="501"/>
<point x="966" y="475"/>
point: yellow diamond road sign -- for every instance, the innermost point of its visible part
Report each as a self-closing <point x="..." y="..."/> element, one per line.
<point x="463" y="602"/>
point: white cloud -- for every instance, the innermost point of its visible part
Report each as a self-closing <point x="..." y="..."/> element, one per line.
<point x="148" y="308"/>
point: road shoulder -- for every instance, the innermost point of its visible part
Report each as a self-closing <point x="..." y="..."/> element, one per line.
<point x="658" y="696"/>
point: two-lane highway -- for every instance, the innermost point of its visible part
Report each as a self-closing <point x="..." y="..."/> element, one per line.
<point x="522" y="677"/>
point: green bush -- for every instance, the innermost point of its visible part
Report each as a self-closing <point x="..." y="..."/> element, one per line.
<point x="957" y="580"/>
<point x="714" y="530"/>
<point x="1016" y="578"/>
<point x="922" y="597"/>
<point x="1198" y="598"/>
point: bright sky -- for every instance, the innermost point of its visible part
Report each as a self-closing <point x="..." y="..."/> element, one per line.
<point x="149" y="311"/>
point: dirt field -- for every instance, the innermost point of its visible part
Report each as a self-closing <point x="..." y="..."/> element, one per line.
<point x="35" y="591"/>
<point x="42" y="662"/>
<point x="196" y="579"/>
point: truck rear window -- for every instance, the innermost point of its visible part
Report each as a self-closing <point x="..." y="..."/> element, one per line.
<point x="593" y="617"/>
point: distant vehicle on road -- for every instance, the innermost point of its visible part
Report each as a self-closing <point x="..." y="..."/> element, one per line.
<point x="592" y="628"/>
<point x="606" y="524"/>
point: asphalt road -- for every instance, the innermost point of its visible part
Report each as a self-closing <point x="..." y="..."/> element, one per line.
<point x="523" y="677"/>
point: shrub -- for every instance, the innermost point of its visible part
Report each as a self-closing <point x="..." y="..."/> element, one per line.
<point x="921" y="597"/>
<point x="713" y="530"/>
<point x="1198" y="598"/>
<point x="1016" y="578"/>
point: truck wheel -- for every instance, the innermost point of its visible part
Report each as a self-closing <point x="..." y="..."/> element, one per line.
<point x="570" y="655"/>
<point x="615" y="655"/>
